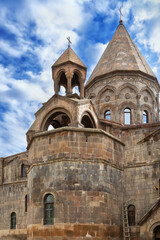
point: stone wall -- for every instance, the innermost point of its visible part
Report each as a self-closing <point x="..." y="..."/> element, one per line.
<point x="70" y="143"/>
<point x="116" y="92"/>
<point x="87" y="201"/>
<point x="12" y="199"/>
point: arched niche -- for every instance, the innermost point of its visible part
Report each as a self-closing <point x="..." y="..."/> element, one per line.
<point x="124" y="105"/>
<point x="106" y="94"/>
<point x="106" y="107"/>
<point x="127" y="91"/>
<point x="154" y="230"/>
<point x="87" y="120"/>
<point x="157" y="233"/>
<point x="56" y="119"/>
<point x="127" y="87"/>
<point x="147" y="96"/>
<point x="149" y="110"/>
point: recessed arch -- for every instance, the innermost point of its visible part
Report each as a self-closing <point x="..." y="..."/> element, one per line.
<point x="13" y="220"/>
<point x="56" y="118"/>
<point x="131" y="215"/>
<point x="146" y="107"/>
<point x="149" y="91"/>
<point x="23" y="171"/>
<point x="48" y="209"/>
<point x="107" y="107"/>
<point x="152" y="228"/>
<point x="23" y="168"/>
<point x="108" y="87"/>
<point x="127" y="104"/>
<point x="87" y="120"/>
<point x="157" y="232"/>
<point x="125" y="85"/>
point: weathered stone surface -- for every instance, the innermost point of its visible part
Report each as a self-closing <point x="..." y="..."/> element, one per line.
<point x="90" y="165"/>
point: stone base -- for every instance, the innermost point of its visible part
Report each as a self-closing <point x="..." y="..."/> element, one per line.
<point x="74" y="232"/>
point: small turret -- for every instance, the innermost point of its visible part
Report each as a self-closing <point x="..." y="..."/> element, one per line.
<point x="69" y="71"/>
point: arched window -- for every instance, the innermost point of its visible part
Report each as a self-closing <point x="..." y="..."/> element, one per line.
<point x="145" y="116"/>
<point x="127" y="116"/>
<point x="131" y="215"/>
<point x="88" y="121"/>
<point x="13" y="220"/>
<point x="107" y="115"/>
<point x="48" y="209"/>
<point x="26" y="203"/>
<point x="23" y="171"/>
<point x="157" y="233"/>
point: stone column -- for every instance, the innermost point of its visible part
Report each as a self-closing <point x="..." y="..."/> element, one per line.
<point x="56" y="87"/>
<point x="138" y="120"/>
<point x="117" y="115"/>
<point x="69" y="76"/>
<point x="81" y="89"/>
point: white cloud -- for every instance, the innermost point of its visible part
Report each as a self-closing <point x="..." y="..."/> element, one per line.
<point x="154" y="39"/>
<point x="4" y="46"/>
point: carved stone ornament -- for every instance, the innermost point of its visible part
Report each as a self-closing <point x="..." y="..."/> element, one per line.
<point x="107" y="98"/>
<point x="146" y="99"/>
<point x="127" y="96"/>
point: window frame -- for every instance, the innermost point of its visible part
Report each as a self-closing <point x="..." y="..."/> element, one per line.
<point x="13" y="220"/>
<point x="23" y="171"/>
<point x="48" y="210"/>
<point x="26" y="203"/>
<point x="130" y="115"/>
<point x="107" y="113"/>
<point x="131" y="215"/>
<point x="145" y="114"/>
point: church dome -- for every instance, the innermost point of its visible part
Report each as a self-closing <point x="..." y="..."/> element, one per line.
<point x="121" y="54"/>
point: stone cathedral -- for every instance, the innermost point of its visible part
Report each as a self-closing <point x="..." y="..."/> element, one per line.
<point x="92" y="165"/>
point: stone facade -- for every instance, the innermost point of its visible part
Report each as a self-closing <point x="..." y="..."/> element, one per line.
<point x="89" y="162"/>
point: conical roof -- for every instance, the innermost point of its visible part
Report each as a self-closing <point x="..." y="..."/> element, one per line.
<point x="69" y="56"/>
<point x="121" y="54"/>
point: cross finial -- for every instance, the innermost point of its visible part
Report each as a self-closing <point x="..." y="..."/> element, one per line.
<point x="69" y="41"/>
<point x="120" y="12"/>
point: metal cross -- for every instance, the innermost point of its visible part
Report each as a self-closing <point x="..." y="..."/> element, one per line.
<point x="69" y="41"/>
<point x="120" y="11"/>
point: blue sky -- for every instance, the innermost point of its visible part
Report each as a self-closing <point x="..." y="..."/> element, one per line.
<point x="33" y="35"/>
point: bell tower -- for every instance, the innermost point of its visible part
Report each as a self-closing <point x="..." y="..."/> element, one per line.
<point x="69" y="71"/>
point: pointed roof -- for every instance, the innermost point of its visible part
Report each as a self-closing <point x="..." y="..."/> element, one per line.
<point x="121" y="54"/>
<point x="69" y="56"/>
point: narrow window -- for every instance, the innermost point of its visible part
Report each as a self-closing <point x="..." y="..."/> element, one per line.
<point x="145" y="116"/>
<point x="127" y="116"/>
<point x="23" y="171"/>
<point x="13" y="220"/>
<point x="26" y="203"/>
<point x="131" y="215"/>
<point x="48" y="209"/>
<point x="107" y="115"/>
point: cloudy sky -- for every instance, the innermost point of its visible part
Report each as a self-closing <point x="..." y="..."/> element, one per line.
<point x="33" y="35"/>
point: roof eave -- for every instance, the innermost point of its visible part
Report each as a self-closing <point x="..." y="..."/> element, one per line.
<point x="120" y="72"/>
